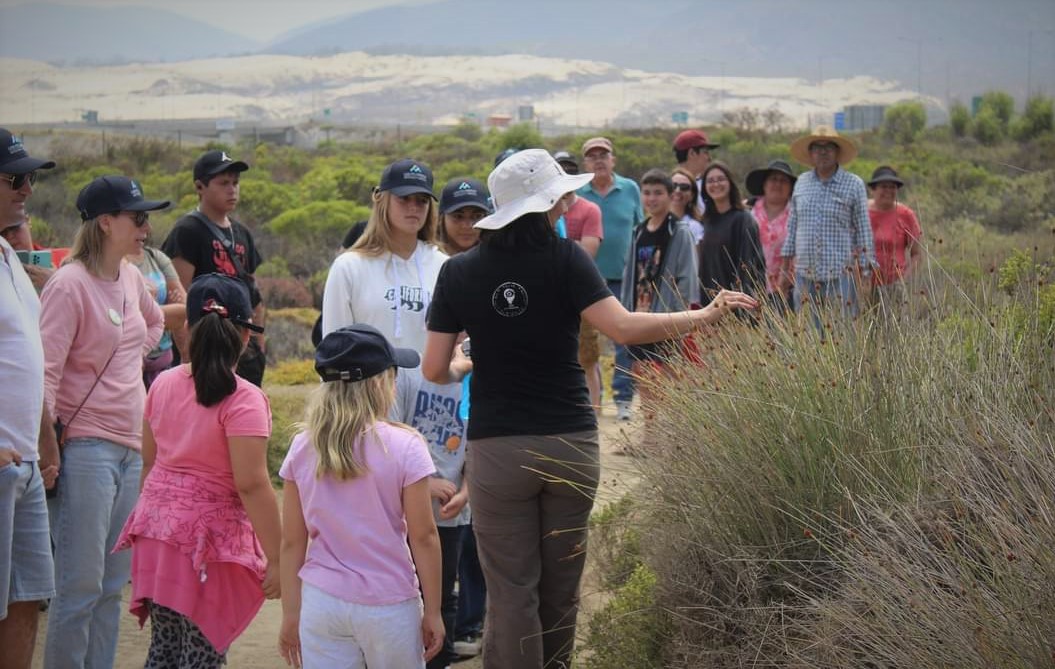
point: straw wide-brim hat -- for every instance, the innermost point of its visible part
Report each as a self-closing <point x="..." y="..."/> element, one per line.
<point x="800" y="148"/>
<point x="526" y="182"/>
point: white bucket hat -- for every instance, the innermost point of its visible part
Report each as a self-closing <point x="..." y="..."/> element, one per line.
<point x="527" y="181"/>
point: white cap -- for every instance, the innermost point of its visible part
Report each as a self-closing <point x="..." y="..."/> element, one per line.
<point x="527" y="181"/>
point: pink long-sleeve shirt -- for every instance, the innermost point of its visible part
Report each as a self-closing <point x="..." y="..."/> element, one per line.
<point x="82" y="319"/>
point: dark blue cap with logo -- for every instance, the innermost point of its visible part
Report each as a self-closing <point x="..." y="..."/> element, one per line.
<point x="111" y="194"/>
<point x="13" y="157"/>
<point x="461" y="193"/>
<point x="407" y="177"/>
<point x="357" y="352"/>
<point x="223" y="295"/>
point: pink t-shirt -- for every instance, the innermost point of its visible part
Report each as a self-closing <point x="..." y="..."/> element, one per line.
<point x="358" y="533"/>
<point x="772" y="234"/>
<point x="583" y="219"/>
<point x="82" y="319"/>
<point x="892" y="232"/>
<point x="171" y="408"/>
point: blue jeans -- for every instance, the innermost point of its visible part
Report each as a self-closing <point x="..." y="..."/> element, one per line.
<point x="98" y="486"/>
<point x="472" y="591"/>
<point x="835" y="295"/>
<point x="622" y="382"/>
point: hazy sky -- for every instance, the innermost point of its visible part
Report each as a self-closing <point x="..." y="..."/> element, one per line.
<point x="258" y="19"/>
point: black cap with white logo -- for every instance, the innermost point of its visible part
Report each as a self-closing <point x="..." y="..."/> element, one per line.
<point x="212" y="163"/>
<point x="13" y="157"/>
<point x="111" y="194"/>
<point x="407" y="177"/>
<point x="460" y="193"/>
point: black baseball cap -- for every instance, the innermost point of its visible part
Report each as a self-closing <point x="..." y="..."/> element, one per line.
<point x="407" y="177"/>
<point x="110" y="194"/>
<point x="13" y="157"/>
<point x="357" y="352"/>
<point x="461" y="193"/>
<point x="565" y="158"/>
<point x="223" y="295"/>
<point x="212" y="163"/>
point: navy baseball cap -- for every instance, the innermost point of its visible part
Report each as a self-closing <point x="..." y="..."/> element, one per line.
<point x="13" y="157"/>
<point x="110" y="194"/>
<point x="505" y="154"/>
<point x="407" y="177"/>
<point x="212" y="163"/>
<point x="357" y="352"/>
<point x="223" y="295"/>
<point x="461" y="193"/>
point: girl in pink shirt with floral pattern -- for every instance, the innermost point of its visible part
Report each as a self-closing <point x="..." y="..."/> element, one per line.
<point x="357" y="486"/>
<point x="205" y="533"/>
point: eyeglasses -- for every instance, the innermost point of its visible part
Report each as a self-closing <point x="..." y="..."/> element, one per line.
<point x="717" y="180"/>
<point x="19" y="180"/>
<point x="824" y="147"/>
<point x="685" y="188"/>
<point x="139" y="218"/>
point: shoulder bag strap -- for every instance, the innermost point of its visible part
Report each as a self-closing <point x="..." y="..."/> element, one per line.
<point x="97" y="379"/>
<point x="227" y="243"/>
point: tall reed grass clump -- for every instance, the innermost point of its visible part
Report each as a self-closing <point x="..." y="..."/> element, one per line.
<point x="879" y="495"/>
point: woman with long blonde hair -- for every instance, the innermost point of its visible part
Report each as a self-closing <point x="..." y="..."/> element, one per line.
<point x="358" y="485"/>
<point x="387" y="277"/>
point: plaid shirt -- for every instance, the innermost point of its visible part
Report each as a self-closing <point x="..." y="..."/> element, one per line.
<point x="828" y="227"/>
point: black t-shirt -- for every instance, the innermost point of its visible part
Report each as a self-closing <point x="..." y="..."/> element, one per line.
<point x="730" y="254"/>
<point x="521" y="310"/>
<point x="650" y="249"/>
<point x="192" y="241"/>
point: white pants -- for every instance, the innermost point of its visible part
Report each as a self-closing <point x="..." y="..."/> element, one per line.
<point x="337" y="634"/>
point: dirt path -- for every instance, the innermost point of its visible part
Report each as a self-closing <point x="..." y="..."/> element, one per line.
<point x="256" y="648"/>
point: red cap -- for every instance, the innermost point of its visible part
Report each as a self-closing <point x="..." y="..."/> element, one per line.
<point x="690" y="139"/>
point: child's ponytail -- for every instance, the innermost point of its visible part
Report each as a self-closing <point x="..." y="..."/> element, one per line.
<point x="215" y="346"/>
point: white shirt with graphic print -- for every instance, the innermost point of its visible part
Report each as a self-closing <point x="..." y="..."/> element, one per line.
<point x="385" y="291"/>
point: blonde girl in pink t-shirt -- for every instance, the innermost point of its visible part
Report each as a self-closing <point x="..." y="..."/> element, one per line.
<point x="358" y="487"/>
<point x="205" y="533"/>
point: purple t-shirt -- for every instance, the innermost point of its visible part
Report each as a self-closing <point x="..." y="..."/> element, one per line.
<point x="358" y="548"/>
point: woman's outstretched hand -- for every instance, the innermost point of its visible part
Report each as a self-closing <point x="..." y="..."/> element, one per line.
<point x="725" y="302"/>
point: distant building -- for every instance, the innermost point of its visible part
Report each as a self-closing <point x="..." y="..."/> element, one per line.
<point x="526" y="113"/>
<point x="864" y="117"/>
<point x="499" y="120"/>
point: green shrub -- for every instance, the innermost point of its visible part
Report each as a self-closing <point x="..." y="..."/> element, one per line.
<point x="904" y="122"/>
<point x="959" y="119"/>
<point x="293" y="373"/>
<point x="628" y="631"/>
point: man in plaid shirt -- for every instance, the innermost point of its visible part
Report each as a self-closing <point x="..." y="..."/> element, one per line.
<point x="829" y="237"/>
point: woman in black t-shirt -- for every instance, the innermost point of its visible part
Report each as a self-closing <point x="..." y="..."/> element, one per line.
<point x="533" y="459"/>
<point x="730" y="252"/>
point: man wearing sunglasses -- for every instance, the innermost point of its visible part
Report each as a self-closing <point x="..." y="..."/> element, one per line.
<point x="829" y="238"/>
<point x="29" y="456"/>
<point x="18" y="173"/>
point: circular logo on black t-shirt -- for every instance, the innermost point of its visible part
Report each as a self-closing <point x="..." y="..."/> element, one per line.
<point x="510" y="299"/>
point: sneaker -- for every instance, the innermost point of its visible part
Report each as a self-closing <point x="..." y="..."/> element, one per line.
<point x="622" y="410"/>
<point x="467" y="646"/>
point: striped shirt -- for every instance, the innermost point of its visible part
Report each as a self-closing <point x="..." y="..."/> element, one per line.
<point x="828" y="226"/>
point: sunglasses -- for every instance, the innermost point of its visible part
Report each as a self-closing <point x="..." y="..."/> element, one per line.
<point x="140" y="218"/>
<point x="826" y="146"/>
<point x="19" y="180"/>
<point x="717" y="180"/>
<point x="685" y="188"/>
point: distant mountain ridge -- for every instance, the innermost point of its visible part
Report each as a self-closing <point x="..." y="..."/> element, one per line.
<point x="111" y="35"/>
<point x="951" y="48"/>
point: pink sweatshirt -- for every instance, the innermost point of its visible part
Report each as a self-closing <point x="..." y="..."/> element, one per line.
<point x="82" y="319"/>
